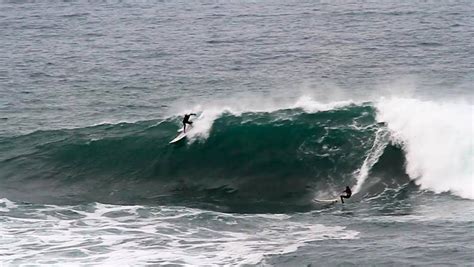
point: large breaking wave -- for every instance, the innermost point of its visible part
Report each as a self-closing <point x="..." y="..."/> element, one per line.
<point x="247" y="161"/>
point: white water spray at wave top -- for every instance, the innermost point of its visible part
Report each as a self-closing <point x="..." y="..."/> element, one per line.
<point x="437" y="139"/>
<point x="209" y="113"/>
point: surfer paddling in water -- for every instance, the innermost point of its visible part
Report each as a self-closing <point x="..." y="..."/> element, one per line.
<point x="348" y="194"/>
<point x="187" y="121"/>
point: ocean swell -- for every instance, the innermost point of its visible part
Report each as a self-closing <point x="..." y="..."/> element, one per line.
<point x="252" y="161"/>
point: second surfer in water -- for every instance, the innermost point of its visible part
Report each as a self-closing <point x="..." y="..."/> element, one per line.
<point x="187" y="121"/>
<point x="348" y="194"/>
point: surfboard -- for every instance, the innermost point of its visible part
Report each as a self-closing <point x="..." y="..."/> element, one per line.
<point x="326" y="201"/>
<point x="187" y="128"/>
<point x="177" y="138"/>
<point x="181" y="135"/>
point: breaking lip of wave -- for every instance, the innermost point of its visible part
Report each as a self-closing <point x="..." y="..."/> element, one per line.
<point x="208" y="114"/>
<point x="438" y="141"/>
<point x="111" y="235"/>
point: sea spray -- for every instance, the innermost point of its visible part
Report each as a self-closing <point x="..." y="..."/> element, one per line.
<point x="437" y="139"/>
<point x="380" y="143"/>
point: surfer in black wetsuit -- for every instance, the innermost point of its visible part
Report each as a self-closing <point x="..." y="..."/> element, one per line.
<point x="187" y="121"/>
<point x="348" y="194"/>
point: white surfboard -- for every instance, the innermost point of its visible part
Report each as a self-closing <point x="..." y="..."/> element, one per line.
<point x="187" y="128"/>
<point x="326" y="201"/>
<point x="181" y="134"/>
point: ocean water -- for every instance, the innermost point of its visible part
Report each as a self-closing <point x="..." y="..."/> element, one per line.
<point x="295" y="100"/>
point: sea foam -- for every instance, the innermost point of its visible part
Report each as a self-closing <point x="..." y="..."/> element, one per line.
<point x="437" y="139"/>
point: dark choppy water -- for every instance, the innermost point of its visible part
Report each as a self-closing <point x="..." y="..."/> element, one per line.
<point x="295" y="100"/>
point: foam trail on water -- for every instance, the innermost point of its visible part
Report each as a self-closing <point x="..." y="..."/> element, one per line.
<point x="437" y="139"/>
<point x="6" y="205"/>
<point x="113" y="235"/>
<point x="380" y="143"/>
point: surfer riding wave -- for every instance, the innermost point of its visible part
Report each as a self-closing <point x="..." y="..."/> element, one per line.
<point x="348" y="194"/>
<point x="187" y="121"/>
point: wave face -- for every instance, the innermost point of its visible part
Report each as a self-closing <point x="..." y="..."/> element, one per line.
<point x="248" y="162"/>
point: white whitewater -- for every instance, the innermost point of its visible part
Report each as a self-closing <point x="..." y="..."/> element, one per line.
<point x="437" y="139"/>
